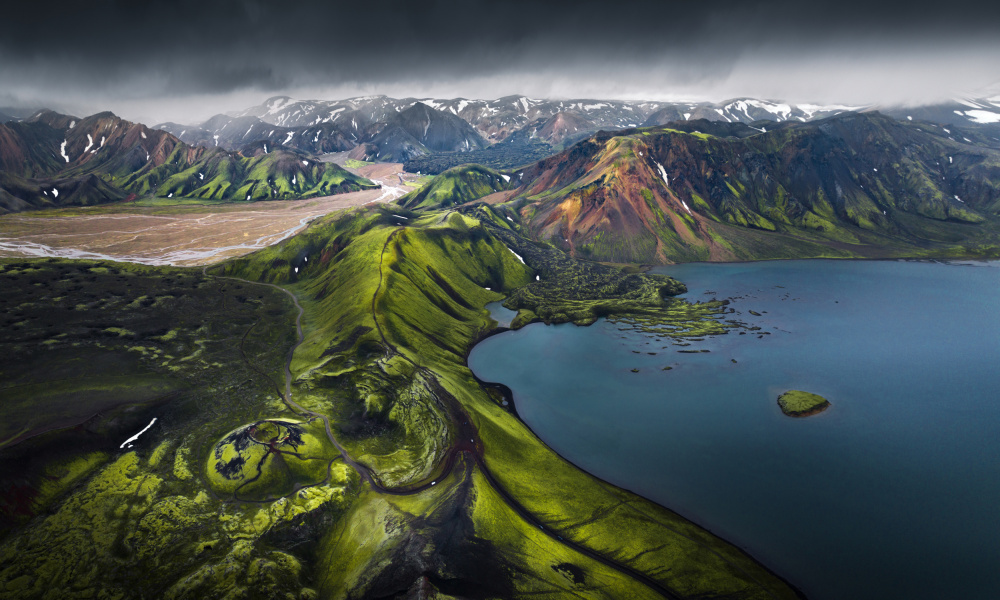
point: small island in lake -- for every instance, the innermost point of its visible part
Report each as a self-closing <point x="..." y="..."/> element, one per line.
<point x="796" y="403"/>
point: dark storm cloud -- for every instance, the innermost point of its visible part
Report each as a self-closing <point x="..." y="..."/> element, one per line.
<point x="132" y="49"/>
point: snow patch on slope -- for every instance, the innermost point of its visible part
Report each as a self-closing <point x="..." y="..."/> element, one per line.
<point x="136" y="436"/>
<point x="663" y="174"/>
<point x="982" y="116"/>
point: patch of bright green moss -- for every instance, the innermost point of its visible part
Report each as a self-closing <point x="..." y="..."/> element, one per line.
<point x="796" y="403"/>
<point x="268" y="458"/>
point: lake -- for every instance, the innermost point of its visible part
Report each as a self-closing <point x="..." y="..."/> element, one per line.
<point x="892" y="492"/>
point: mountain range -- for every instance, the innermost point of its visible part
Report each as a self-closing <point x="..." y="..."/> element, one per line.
<point x="389" y="129"/>
<point x="856" y="184"/>
<point x="51" y="160"/>
<point x="737" y="186"/>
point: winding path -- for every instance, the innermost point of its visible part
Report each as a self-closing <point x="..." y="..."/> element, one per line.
<point x="467" y="430"/>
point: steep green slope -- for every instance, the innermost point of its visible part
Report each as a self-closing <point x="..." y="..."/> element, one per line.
<point x="852" y="185"/>
<point x="456" y="186"/>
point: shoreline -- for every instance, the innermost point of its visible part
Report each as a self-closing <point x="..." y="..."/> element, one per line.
<point x="508" y="395"/>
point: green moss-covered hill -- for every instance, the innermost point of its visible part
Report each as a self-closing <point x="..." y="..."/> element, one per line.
<point x="456" y="186"/>
<point x="56" y="160"/>
<point x="850" y="185"/>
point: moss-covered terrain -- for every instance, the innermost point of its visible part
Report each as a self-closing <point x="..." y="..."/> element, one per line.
<point x="796" y="403"/>
<point x="457" y="186"/>
<point x="353" y="456"/>
<point x="93" y="352"/>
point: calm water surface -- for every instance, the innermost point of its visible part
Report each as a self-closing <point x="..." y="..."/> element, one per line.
<point x="893" y="492"/>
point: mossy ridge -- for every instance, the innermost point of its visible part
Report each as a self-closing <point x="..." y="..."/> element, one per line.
<point x="394" y="300"/>
<point x="456" y="186"/>
<point x="796" y="403"/>
<point x="227" y="176"/>
<point x="370" y="553"/>
<point x="385" y="407"/>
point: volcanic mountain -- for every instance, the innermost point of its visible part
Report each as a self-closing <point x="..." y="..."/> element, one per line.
<point x="333" y="125"/>
<point x="494" y="120"/>
<point x="850" y="185"/>
<point x="419" y="130"/>
<point x="233" y="133"/>
<point x="564" y="126"/>
<point x="742" y="110"/>
<point x="59" y="160"/>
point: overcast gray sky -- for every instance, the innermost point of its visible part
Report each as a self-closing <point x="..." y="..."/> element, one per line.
<point x="185" y="60"/>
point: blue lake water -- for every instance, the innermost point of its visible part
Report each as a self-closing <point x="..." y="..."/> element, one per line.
<point x="503" y="316"/>
<point x="893" y="492"/>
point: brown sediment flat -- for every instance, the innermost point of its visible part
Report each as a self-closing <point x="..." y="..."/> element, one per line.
<point x="389" y="175"/>
<point x="380" y="170"/>
<point x="182" y="235"/>
<point x="496" y="197"/>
